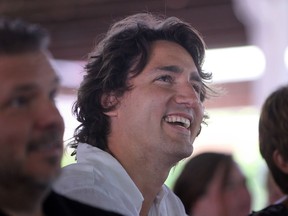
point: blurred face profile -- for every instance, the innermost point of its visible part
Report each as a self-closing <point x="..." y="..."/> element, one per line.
<point x="31" y="126"/>
<point x="237" y="198"/>
<point x="230" y="199"/>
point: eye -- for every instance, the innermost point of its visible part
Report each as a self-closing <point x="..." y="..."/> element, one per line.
<point x="165" y="78"/>
<point x="20" y="101"/>
<point x="197" y="88"/>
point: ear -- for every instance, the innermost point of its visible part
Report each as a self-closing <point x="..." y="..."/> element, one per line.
<point x="109" y="100"/>
<point x="280" y="162"/>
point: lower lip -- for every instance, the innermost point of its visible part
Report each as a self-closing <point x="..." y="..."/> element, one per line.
<point x="181" y="129"/>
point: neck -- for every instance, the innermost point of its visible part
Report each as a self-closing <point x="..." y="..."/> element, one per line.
<point x="148" y="175"/>
<point x="149" y="186"/>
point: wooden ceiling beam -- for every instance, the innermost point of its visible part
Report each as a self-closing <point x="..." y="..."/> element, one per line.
<point x="75" y="25"/>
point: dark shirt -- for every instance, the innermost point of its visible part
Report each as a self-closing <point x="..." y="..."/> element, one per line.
<point x="272" y="210"/>
<point x="56" y="204"/>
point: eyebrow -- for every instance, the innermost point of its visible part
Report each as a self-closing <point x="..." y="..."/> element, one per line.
<point x="194" y="76"/>
<point x="32" y="86"/>
<point x="171" y="68"/>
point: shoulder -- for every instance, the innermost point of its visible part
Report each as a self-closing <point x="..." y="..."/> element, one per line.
<point x="272" y="210"/>
<point x="97" y="187"/>
<point x="75" y="177"/>
<point x="56" y="204"/>
<point x="2" y="213"/>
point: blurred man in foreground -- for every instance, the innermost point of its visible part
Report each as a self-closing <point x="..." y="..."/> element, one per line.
<point x="31" y="127"/>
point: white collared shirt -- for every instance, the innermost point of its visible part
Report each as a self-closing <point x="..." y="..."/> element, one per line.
<point x="98" y="179"/>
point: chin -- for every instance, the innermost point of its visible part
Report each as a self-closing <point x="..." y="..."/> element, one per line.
<point x="47" y="174"/>
<point x="189" y="149"/>
<point x="185" y="154"/>
<point x="46" y="181"/>
<point x="188" y="154"/>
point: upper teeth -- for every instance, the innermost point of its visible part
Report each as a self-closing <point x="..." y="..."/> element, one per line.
<point x="186" y="122"/>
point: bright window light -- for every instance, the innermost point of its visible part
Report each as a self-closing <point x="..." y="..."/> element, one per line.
<point x="286" y="57"/>
<point x="70" y="72"/>
<point x="235" y="63"/>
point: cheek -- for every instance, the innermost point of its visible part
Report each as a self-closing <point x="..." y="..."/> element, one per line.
<point x="14" y="138"/>
<point x="228" y="197"/>
<point x="142" y="101"/>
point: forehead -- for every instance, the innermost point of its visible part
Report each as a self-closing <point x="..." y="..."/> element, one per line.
<point x="24" y="68"/>
<point x="170" y="51"/>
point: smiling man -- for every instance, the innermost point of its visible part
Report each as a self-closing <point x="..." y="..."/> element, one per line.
<point x="140" y="106"/>
<point x="31" y="128"/>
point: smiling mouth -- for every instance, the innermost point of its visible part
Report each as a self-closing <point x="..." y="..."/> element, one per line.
<point x="178" y="120"/>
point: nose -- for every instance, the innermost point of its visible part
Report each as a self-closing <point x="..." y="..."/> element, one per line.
<point x="187" y="95"/>
<point x="49" y="117"/>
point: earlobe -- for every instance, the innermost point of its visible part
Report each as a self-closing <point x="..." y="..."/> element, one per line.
<point x="108" y="101"/>
<point x="280" y="162"/>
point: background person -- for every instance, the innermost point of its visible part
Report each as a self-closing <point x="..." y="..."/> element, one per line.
<point x="273" y="144"/>
<point x="212" y="184"/>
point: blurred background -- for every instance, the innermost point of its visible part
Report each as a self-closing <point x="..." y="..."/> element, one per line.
<point x="246" y="52"/>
